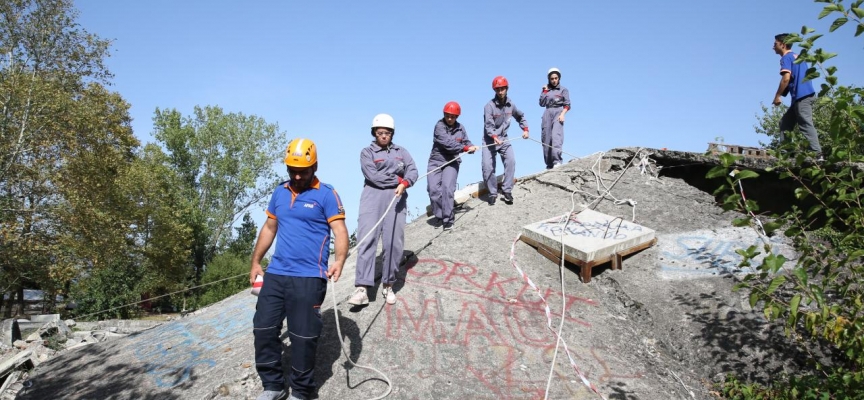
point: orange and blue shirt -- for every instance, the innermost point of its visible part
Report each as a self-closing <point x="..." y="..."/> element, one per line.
<point x="303" y="233"/>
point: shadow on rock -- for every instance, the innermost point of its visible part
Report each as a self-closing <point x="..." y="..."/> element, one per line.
<point x="330" y="348"/>
<point x="59" y="379"/>
<point x="733" y="342"/>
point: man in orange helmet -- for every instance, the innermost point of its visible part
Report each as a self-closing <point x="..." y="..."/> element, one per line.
<point x="496" y="121"/>
<point x="301" y="213"/>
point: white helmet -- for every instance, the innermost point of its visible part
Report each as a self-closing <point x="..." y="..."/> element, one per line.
<point x="553" y="69"/>
<point x="383" y="121"/>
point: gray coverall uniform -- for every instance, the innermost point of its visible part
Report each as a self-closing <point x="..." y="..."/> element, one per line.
<point x="555" y="99"/>
<point x="448" y="142"/>
<point x="496" y="120"/>
<point x="384" y="169"/>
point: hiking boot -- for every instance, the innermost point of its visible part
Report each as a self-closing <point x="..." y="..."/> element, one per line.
<point x="359" y="298"/>
<point x="448" y="226"/>
<point x="820" y="157"/>
<point x="508" y="198"/>
<point x="389" y="296"/>
<point x="272" y="395"/>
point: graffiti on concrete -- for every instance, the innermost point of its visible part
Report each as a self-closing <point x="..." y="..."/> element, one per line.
<point x="606" y="228"/>
<point x="487" y="335"/>
<point x="171" y="353"/>
<point x="706" y="253"/>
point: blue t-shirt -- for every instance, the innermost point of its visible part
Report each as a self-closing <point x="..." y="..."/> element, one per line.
<point x="798" y="88"/>
<point x="303" y="232"/>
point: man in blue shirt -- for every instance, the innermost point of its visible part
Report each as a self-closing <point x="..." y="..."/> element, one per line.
<point x="803" y="95"/>
<point x="301" y="213"/>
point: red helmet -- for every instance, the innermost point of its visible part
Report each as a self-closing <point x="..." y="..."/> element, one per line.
<point x="452" y="108"/>
<point x="499" y="81"/>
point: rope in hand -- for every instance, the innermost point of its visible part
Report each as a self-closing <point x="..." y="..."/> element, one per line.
<point x="330" y="281"/>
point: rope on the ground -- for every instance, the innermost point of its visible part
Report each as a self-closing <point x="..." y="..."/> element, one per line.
<point x="565" y="220"/>
<point x="559" y="340"/>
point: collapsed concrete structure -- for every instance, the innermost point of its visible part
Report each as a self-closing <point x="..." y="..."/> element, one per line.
<point x="467" y="323"/>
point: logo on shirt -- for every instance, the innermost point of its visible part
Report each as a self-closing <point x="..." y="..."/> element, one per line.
<point x="309" y="205"/>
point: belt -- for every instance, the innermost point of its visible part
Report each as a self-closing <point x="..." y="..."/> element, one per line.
<point x="369" y="183"/>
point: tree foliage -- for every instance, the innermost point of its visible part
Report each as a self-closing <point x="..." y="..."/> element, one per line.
<point x="51" y="73"/>
<point x="222" y="275"/>
<point x="225" y="165"/>
<point x="818" y="297"/>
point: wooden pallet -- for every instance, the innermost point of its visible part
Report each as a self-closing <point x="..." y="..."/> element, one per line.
<point x="616" y="259"/>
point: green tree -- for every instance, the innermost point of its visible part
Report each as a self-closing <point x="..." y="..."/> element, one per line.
<point x="818" y="297"/>
<point x="222" y="278"/>
<point x="50" y="71"/>
<point x="225" y="164"/>
<point x="247" y="232"/>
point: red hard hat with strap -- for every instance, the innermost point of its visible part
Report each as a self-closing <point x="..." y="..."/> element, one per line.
<point x="452" y="108"/>
<point x="499" y="81"/>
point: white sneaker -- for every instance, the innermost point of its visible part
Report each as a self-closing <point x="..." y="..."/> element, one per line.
<point x="389" y="295"/>
<point x="359" y="298"/>
<point x="272" y="395"/>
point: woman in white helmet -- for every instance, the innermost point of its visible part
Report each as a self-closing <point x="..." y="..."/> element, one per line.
<point x="389" y="170"/>
<point x="556" y="99"/>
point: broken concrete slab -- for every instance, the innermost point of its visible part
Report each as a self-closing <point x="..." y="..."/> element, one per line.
<point x="12" y="378"/>
<point x="15" y="361"/>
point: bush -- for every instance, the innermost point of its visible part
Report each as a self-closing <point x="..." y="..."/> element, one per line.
<point x="819" y="296"/>
<point x="105" y="290"/>
<point x="224" y="266"/>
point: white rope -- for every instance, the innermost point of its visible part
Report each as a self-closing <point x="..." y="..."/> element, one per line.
<point x="566" y="219"/>
<point x="374" y="227"/>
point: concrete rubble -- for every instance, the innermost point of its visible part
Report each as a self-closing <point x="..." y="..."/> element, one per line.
<point x="48" y="336"/>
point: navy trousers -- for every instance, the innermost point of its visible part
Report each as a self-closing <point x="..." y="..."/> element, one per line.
<point x="299" y="300"/>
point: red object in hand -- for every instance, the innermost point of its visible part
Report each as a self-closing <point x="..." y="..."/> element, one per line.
<point x="259" y="283"/>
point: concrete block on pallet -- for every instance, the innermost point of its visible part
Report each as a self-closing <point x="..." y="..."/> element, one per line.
<point x="589" y="235"/>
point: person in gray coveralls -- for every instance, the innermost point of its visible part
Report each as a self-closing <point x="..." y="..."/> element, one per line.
<point x="496" y="120"/>
<point x="556" y="99"/>
<point x="389" y="170"/>
<point x="450" y="139"/>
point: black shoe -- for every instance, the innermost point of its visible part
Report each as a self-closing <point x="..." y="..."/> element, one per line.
<point x="508" y="198"/>
<point x="448" y="226"/>
<point x="492" y="200"/>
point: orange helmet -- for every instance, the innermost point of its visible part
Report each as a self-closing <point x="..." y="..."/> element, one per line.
<point x="301" y="153"/>
<point x="452" y="108"/>
<point x="499" y="81"/>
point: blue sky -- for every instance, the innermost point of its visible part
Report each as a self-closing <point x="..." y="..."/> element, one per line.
<point x="657" y="74"/>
